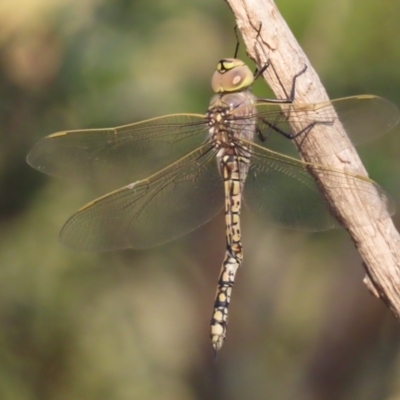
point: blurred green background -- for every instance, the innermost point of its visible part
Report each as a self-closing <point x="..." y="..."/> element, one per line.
<point x="135" y="324"/>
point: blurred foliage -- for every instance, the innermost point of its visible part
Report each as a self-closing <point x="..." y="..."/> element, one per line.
<point x="134" y="324"/>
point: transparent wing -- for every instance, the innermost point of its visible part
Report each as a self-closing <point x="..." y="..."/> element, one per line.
<point x="187" y="193"/>
<point x="364" y="117"/>
<point x="149" y="212"/>
<point x="280" y="189"/>
<point x="119" y="155"/>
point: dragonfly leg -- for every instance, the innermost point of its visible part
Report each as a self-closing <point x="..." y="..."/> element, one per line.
<point x="289" y="135"/>
<point x="237" y="41"/>
<point x="259" y="71"/>
<point x="309" y="127"/>
<point x="290" y="99"/>
<point x="263" y="137"/>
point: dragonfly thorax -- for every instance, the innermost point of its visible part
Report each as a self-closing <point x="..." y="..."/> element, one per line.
<point x="229" y="118"/>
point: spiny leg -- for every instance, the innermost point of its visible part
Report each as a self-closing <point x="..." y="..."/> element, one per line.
<point x="290" y="99"/>
<point x="288" y="135"/>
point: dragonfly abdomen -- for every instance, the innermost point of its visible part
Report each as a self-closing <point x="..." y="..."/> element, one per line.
<point x="234" y="171"/>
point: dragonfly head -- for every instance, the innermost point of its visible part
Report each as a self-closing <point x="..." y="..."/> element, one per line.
<point x="231" y="75"/>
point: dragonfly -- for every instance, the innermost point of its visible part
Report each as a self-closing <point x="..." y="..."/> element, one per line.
<point x="178" y="171"/>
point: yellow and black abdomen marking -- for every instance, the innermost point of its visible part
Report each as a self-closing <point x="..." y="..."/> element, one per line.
<point x="234" y="171"/>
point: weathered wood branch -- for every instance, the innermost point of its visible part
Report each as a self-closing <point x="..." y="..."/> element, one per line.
<point x="377" y="241"/>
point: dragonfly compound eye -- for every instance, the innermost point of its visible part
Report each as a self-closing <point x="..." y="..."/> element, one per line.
<point x="231" y="75"/>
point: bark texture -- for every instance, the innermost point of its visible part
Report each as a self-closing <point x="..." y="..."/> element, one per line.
<point x="377" y="241"/>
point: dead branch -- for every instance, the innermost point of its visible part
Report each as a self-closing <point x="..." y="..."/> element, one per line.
<point x="377" y="240"/>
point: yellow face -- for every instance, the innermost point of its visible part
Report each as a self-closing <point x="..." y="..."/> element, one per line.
<point x="231" y="75"/>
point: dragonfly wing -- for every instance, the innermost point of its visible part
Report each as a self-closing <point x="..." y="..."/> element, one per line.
<point x="280" y="189"/>
<point x="153" y="211"/>
<point x="364" y="118"/>
<point x="367" y="117"/>
<point x="119" y="155"/>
